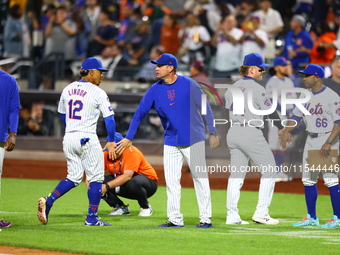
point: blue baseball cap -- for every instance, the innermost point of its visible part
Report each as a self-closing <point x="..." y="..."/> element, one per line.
<point x="92" y="64"/>
<point x="118" y="137"/>
<point x="254" y="59"/>
<point x="80" y="3"/>
<point x="166" y="59"/>
<point x="313" y="69"/>
<point x="280" y="61"/>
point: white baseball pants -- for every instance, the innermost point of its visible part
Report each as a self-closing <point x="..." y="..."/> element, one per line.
<point x="88" y="157"/>
<point x="173" y="161"/>
<point x="248" y="143"/>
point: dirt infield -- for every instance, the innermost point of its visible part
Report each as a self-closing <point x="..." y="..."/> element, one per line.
<point x="56" y="170"/>
<point x="8" y="250"/>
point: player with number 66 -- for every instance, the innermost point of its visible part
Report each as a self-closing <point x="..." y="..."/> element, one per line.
<point x="323" y="128"/>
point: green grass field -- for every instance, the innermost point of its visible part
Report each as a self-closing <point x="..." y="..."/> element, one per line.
<point x="131" y="234"/>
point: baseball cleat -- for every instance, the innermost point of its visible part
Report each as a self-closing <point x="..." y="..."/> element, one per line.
<point x="204" y="225"/>
<point x="43" y="210"/>
<point x="307" y="221"/>
<point x="240" y="222"/>
<point x="282" y="177"/>
<point x="265" y="220"/>
<point x="4" y="224"/>
<point x="145" y="212"/>
<point x="169" y="224"/>
<point x="332" y="223"/>
<point x="120" y="210"/>
<point x="96" y="222"/>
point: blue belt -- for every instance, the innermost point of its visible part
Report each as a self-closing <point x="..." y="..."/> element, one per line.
<point x="315" y="135"/>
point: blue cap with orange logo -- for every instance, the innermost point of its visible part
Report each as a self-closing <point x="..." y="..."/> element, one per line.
<point x="254" y="59"/>
<point x="92" y="64"/>
<point x="280" y="61"/>
<point x="313" y="69"/>
<point x="166" y="59"/>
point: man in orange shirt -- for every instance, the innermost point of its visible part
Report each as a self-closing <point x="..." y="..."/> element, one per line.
<point x="131" y="176"/>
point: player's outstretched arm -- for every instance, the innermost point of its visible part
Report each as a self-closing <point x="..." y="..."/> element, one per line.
<point x="214" y="142"/>
<point x="280" y="133"/>
<point x="111" y="147"/>
<point x="285" y="136"/>
<point x="284" y="140"/>
<point x="326" y="147"/>
<point x="122" y="145"/>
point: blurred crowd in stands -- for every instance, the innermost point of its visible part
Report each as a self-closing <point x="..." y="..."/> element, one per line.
<point x="127" y="33"/>
<point x="209" y="37"/>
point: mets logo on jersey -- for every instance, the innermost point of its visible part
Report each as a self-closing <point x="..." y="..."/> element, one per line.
<point x="171" y="94"/>
<point x="267" y="101"/>
<point x="337" y="111"/>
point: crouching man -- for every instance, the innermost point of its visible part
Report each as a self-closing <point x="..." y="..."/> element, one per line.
<point x="131" y="176"/>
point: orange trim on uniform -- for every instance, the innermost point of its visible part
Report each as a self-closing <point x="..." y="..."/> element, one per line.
<point x="56" y="192"/>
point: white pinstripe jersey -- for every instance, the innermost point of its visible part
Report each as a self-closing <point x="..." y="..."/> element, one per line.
<point x="324" y="107"/>
<point x="82" y="103"/>
<point x="260" y="100"/>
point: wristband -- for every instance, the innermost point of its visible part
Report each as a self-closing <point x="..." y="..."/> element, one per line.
<point x="328" y="142"/>
<point x="214" y="134"/>
<point x="107" y="187"/>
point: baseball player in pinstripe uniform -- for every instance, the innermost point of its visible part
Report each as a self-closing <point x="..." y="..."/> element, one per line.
<point x="177" y="100"/>
<point x="9" y="119"/>
<point x="323" y="127"/>
<point x="278" y="82"/>
<point x="246" y="142"/>
<point x="80" y="105"/>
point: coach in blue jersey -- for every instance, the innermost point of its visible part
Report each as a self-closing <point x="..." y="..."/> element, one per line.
<point x="177" y="100"/>
<point x="9" y="119"/>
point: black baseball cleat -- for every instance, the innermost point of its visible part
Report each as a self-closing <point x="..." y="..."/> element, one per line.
<point x="169" y="224"/>
<point x="204" y="225"/>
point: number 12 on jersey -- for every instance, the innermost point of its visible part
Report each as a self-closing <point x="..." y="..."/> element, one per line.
<point x="74" y="108"/>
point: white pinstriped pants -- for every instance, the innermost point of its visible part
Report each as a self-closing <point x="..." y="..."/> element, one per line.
<point x="173" y="161"/>
<point x="87" y="157"/>
<point x="248" y="143"/>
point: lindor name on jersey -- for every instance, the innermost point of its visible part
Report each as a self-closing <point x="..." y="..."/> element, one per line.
<point x="78" y="92"/>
